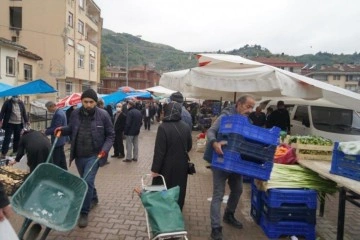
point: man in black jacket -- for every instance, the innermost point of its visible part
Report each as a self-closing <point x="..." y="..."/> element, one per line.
<point x="131" y="131"/>
<point x="119" y="125"/>
<point x="12" y="118"/>
<point x="280" y="118"/>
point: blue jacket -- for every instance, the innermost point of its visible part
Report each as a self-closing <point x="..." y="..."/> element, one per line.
<point x="133" y="122"/>
<point x="58" y="120"/>
<point x="102" y="130"/>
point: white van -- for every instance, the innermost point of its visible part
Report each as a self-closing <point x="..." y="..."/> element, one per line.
<point x="320" y="118"/>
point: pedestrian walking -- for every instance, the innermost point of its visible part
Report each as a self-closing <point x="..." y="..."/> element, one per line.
<point x="58" y="120"/>
<point x="173" y="142"/>
<point x="146" y="113"/>
<point x="13" y="116"/>
<point x="119" y="126"/>
<point x="244" y="106"/>
<point x="92" y="137"/>
<point x="185" y="115"/>
<point x="131" y="131"/>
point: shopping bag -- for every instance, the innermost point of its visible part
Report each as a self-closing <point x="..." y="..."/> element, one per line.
<point x="6" y="231"/>
<point x="163" y="211"/>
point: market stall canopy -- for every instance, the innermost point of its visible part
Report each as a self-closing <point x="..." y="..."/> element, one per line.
<point x="4" y="86"/>
<point x="160" y="91"/>
<point x="34" y="87"/>
<point x="73" y="99"/>
<point x="225" y="76"/>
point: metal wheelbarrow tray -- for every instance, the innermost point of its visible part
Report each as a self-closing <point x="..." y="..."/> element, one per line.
<point x="51" y="196"/>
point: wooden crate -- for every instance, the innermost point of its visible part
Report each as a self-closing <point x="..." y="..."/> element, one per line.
<point x="304" y="156"/>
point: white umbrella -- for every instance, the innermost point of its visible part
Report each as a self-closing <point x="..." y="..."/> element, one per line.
<point x="223" y="75"/>
<point x="160" y="91"/>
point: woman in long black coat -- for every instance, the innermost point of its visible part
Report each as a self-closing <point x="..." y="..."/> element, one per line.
<point x="173" y="141"/>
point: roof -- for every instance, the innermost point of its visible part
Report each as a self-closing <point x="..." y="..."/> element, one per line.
<point x="6" y="42"/>
<point x="338" y="68"/>
<point x="277" y="62"/>
<point x="30" y="55"/>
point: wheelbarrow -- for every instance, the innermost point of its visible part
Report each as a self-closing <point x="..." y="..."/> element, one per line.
<point x="50" y="196"/>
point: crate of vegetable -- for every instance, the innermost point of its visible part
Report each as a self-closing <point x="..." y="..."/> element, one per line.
<point x="312" y="147"/>
<point x="12" y="178"/>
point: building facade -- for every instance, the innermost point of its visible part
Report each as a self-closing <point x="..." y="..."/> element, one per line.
<point x="138" y="78"/>
<point x="341" y="75"/>
<point x="294" y="67"/>
<point x="66" y="34"/>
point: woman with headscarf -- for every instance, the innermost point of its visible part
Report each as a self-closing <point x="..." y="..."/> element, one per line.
<point x="173" y="142"/>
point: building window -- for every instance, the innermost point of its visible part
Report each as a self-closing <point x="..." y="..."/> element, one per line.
<point x="70" y="42"/>
<point x="70" y="20"/>
<point x="28" y="72"/>
<point x="81" y="27"/>
<point x="336" y="77"/>
<point x="10" y="66"/>
<point x="81" y="61"/>
<point x="92" y="54"/>
<point x="15" y="18"/>
<point x="68" y="88"/>
<point x="92" y="65"/>
<point x="81" y="4"/>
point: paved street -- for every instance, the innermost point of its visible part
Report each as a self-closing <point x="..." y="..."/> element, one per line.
<point x="120" y="215"/>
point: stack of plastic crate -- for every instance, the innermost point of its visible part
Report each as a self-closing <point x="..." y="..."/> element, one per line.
<point x="249" y="149"/>
<point x="257" y="203"/>
<point x="289" y="212"/>
<point x="344" y="164"/>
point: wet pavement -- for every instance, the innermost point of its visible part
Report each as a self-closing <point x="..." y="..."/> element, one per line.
<point x="121" y="216"/>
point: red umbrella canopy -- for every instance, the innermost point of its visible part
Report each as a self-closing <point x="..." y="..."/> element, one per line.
<point x="126" y="89"/>
<point x="71" y="100"/>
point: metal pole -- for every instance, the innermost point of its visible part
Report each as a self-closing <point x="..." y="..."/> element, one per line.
<point x="127" y="64"/>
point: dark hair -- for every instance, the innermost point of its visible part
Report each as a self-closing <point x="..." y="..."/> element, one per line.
<point x="280" y="103"/>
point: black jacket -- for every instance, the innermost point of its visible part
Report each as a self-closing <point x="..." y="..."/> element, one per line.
<point x="120" y="122"/>
<point x="6" y="111"/>
<point x="133" y="122"/>
<point x="4" y="201"/>
<point x="279" y="118"/>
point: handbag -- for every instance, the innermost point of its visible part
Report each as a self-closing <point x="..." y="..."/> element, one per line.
<point x="191" y="166"/>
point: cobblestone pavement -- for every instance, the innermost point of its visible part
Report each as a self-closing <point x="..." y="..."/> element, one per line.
<point x="121" y="216"/>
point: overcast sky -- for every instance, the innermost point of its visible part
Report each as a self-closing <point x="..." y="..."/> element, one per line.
<point x="294" y="27"/>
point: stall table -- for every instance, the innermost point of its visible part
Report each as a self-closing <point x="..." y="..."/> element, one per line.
<point x="348" y="189"/>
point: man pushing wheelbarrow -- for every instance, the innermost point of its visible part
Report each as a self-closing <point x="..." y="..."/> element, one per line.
<point x="92" y="135"/>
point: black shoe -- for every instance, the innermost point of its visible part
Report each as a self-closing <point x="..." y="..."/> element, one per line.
<point x="134" y="159"/>
<point x="230" y="219"/>
<point x="216" y="233"/>
<point x="83" y="220"/>
<point x="121" y="156"/>
<point x="126" y="160"/>
<point x="114" y="156"/>
<point x="93" y="203"/>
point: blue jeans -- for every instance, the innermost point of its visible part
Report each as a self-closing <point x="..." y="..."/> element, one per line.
<point x="83" y="165"/>
<point x="235" y="183"/>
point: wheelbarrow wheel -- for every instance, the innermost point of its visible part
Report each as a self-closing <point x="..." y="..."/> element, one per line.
<point x="33" y="232"/>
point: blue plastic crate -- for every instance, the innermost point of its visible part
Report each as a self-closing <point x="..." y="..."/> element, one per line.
<point x="256" y="197"/>
<point x="286" y="228"/>
<point x="249" y="149"/>
<point x="240" y="124"/>
<point x="345" y="165"/>
<point x="276" y="197"/>
<point x="255" y="213"/>
<point x="232" y="162"/>
<point x="290" y="212"/>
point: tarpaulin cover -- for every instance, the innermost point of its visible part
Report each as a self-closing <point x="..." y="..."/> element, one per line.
<point x="33" y="87"/>
<point x="51" y="196"/>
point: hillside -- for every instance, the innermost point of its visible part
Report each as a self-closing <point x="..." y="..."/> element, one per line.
<point x="166" y="58"/>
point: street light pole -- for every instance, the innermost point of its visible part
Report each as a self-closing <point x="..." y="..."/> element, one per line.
<point x="127" y="64"/>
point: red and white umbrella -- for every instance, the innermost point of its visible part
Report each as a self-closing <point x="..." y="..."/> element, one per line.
<point x="71" y="100"/>
<point x="126" y="89"/>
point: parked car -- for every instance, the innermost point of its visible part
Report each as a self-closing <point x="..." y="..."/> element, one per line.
<point x="320" y="118"/>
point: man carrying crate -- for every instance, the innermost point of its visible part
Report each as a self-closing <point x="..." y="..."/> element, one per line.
<point x="244" y="106"/>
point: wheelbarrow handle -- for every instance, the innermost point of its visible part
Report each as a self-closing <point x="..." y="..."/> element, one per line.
<point x="92" y="166"/>
<point x="57" y="136"/>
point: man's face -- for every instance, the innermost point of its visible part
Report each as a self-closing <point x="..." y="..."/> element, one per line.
<point x="88" y="103"/>
<point x="51" y="109"/>
<point x="247" y="107"/>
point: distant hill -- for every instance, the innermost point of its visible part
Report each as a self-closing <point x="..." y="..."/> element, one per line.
<point x="165" y="58"/>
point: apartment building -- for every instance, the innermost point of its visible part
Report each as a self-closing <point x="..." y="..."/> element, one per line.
<point x="140" y="77"/>
<point x="66" y="34"/>
<point x="17" y="66"/>
<point x="294" y="67"/>
<point x="342" y="75"/>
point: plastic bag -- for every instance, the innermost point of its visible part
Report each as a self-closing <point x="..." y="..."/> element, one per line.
<point x="200" y="145"/>
<point x="289" y="157"/>
<point x="163" y="210"/>
<point x="6" y="231"/>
